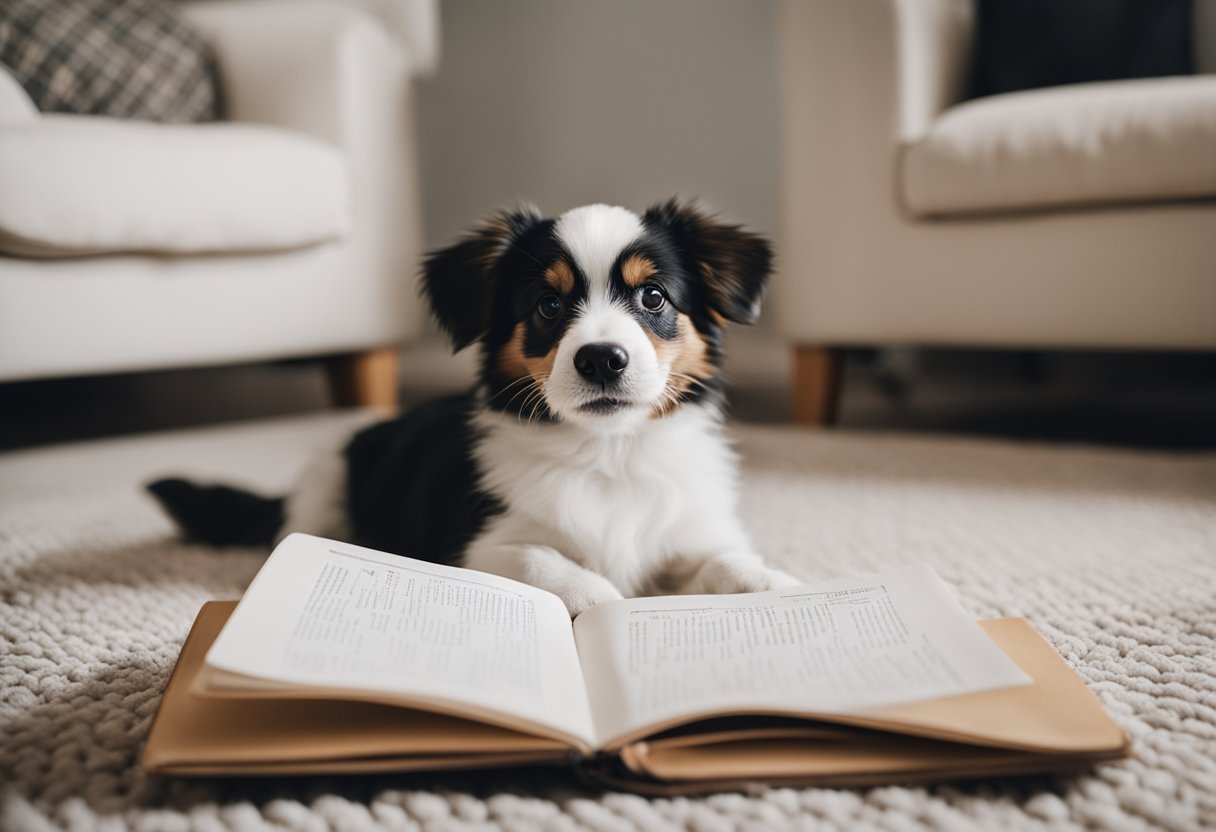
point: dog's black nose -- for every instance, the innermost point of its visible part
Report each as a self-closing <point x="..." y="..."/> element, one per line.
<point x="601" y="362"/>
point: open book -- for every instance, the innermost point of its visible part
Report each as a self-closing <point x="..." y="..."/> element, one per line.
<point x="344" y="659"/>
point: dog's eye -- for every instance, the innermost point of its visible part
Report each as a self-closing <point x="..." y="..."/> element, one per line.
<point x="549" y="307"/>
<point x="653" y="298"/>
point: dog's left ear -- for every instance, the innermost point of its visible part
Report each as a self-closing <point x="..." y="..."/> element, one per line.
<point x="732" y="264"/>
<point x="458" y="281"/>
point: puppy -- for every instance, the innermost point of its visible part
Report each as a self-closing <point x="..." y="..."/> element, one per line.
<point x="590" y="459"/>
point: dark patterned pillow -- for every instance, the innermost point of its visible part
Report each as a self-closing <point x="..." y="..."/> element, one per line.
<point x="125" y="58"/>
<point x="1024" y="44"/>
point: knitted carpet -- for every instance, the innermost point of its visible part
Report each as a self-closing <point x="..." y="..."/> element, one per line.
<point x="1110" y="554"/>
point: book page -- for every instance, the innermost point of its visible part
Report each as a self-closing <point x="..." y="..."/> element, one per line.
<point x="329" y="615"/>
<point x="843" y="645"/>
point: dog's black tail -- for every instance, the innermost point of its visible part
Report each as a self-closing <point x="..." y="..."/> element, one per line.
<point x="219" y="515"/>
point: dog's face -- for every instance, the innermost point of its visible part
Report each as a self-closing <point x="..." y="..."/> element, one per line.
<point x="600" y="317"/>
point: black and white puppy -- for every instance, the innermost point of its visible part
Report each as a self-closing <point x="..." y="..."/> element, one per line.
<point x="590" y="458"/>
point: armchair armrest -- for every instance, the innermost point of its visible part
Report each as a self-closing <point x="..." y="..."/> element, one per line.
<point x="860" y="78"/>
<point x="333" y="71"/>
<point x="415" y="23"/>
<point x="934" y="49"/>
<point x="297" y="64"/>
<point x="891" y="66"/>
<point x="15" y="105"/>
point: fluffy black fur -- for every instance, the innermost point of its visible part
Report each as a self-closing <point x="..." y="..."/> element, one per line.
<point x="219" y="515"/>
<point x="411" y="489"/>
<point x="730" y="265"/>
<point x="412" y="483"/>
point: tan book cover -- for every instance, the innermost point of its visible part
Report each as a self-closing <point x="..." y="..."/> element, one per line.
<point x="212" y="722"/>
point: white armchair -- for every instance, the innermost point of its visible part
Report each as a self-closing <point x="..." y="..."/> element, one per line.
<point x="1067" y="217"/>
<point x="292" y="229"/>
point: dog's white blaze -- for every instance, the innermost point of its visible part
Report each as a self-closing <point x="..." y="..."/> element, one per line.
<point x="594" y="235"/>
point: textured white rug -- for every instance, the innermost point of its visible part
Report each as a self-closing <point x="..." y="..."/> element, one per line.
<point x="1112" y="555"/>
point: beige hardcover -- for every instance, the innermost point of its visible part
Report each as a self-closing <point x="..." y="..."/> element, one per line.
<point x="1053" y="724"/>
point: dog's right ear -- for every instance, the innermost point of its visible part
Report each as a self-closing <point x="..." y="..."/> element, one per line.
<point x="458" y="281"/>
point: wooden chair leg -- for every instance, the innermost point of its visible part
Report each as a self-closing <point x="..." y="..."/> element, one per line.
<point x="364" y="379"/>
<point x="818" y="373"/>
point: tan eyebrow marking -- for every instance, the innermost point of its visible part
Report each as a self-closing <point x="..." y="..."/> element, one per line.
<point x="561" y="277"/>
<point x="636" y="269"/>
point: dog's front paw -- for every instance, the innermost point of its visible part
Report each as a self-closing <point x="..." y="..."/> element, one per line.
<point x="583" y="592"/>
<point x="728" y="575"/>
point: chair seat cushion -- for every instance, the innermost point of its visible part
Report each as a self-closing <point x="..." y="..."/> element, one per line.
<point x="1088" y="144"/>
<point x="81" y="185"/>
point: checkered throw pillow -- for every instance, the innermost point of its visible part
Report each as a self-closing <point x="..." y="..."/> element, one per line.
<point x="125" y="58"/>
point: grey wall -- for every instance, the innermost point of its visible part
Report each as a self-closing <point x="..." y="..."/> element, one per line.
<point x="565" y="102"/>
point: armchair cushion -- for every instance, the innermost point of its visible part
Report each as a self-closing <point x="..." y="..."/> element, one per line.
<point x="1086" y="144"/>
<point x="79" y="185"/>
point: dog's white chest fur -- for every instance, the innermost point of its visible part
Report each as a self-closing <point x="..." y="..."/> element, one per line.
<point x="622" y="505"/>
